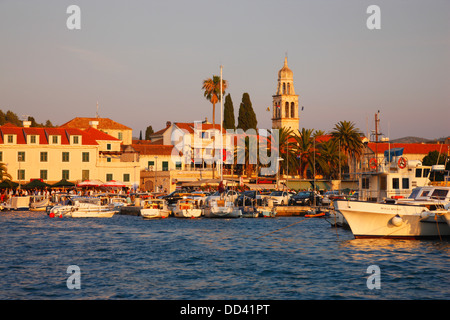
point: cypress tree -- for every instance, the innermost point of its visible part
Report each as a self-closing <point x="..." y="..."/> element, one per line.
<point x="228" y="114"/>
<point x="247" y="117"/>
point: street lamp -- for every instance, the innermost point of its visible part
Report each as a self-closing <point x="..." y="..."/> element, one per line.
<point x="156" y="167"/>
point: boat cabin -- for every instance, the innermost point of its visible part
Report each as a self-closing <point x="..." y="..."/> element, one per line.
<point x="394" y="178"/>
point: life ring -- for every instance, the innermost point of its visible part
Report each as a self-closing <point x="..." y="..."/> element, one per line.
<point x="402" y="162"/>
<point x="373" y="163"/>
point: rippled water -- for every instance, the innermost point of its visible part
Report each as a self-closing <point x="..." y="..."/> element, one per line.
<point x="127" y="257"/>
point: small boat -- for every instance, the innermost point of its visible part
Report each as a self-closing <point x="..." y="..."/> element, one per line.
<point x="117" y="202"/>
<point x="82" y="207"/>
<point x="17" y="204"/>
<point x="155" y="208"/>
<point x="187" y="208"/>
<point x="249" y="212"/>
<point x="220" y="208"/>
<point x="267" y="212"/>
<point x="39" y="203"/>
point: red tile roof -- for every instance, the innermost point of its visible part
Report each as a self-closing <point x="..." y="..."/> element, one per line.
<point x="409" y="148"/>
<point x="151" y="149"/>
<point x="89" y="137"/>
<point x="103" y="123"/>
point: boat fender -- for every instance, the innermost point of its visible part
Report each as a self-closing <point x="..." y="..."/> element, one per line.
<point x="397" y="220"/>
<point x="51" y="215"/>
<point x="424" y="215"/>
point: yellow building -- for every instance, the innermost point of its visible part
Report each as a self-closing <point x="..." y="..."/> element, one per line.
<point x="52" y="154"/>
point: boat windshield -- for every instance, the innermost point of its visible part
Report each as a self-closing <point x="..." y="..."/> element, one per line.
<point x="414" y="193"/>
<point x="439" y="194"/>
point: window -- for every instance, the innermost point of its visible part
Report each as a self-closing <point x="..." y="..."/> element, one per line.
<point x="365" y="183"/>
<point x="32" y="139"/>
<point x="395" y="183"/>
<point x="10" y="139"/>
<point x="439" y="194"/>
<point x="150" y="165"/>
<point x="286" y="111"/>
<point x="108" y="159"/>
<point x="126" y="177"/>
<point x="165" y="166"/>
<point x="292" y="110"/>
<point x="418" y="173"/>
<point x="405" y="183"/>
<point x="65" y="174"/>
<point x="1" y="156"/>
<point x="108" y="146"/>
<point x="178" y="165"/>
<point x="21" y="174"/>
<point x="84" y="175"/>
<point x="43" y="175"/>
<point x="21" y="156"/>
<point x="120" y="135"/>
<point x="65" y="157"/>
<point x="426" y="172"/>
<point x="55" y="139"/>
<point x="75" y="140"/>
<point x="85" y="156"/>
<point x="109" y="176"/>
<point x="44" y="156"/>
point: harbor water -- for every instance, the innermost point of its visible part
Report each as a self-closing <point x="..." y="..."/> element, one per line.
<point x="282" y="258"/>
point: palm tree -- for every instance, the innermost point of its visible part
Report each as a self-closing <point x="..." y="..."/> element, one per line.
<point x="287" y="151"/>
<point x="306" y="150"/>
<point x="211" y="87"/>
<point x="4" y="175"/>
<point x="348" y="139"/>
<point x="329" y="154"/>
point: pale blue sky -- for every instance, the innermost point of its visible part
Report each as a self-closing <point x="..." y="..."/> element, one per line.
<point x="144" y="61"/>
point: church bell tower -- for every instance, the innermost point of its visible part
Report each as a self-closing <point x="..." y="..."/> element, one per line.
<point x="285" y="101"/>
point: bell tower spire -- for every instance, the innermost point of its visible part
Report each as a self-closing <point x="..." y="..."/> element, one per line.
<point x="285" y="101"/>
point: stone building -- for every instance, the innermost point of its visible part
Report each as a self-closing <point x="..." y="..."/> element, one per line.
<point x="285" y="101"/>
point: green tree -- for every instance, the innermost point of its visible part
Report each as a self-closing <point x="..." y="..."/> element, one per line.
<point x="148" y="132"/>
<point x="348" y="139"/>
<point x="48" y="124"/>
<point x="12" y="118"/>
<point x="228" y="114"/>
<point x="247" y="117"/>
<point x="2" y="118"/>
<point x="287" y="151"/>
<point x="306" y="151"/>
<point x="211" y="87"/>
<point x="436" y="158"/>
<point x="4" y="175"/>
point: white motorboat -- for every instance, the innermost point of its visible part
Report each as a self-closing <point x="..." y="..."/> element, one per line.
<point x="83" y="207"/>
<point x="220" y="208"/>
<point x="421" y="215"/>
<point x="117" y="202"/>
<point x="187" y="208"/>
<point x="155" y="208"/>
<point x="39" y="203"/>
<point x="21" y="203"/>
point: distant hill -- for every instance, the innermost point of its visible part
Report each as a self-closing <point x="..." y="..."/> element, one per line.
<point x="417" y="140"/>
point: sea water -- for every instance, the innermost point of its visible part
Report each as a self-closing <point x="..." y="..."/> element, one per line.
<point x="282" y="258"/>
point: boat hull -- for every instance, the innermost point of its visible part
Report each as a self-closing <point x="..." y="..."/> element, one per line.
<point x="92" y="214"/>
<point x="222" y="212"/>
<point x="154" y="213"/>
<point x="188" y="213"/>
<point x="372" y="220"/>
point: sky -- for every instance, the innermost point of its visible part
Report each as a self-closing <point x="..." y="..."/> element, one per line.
<point x="144" y="61"/>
